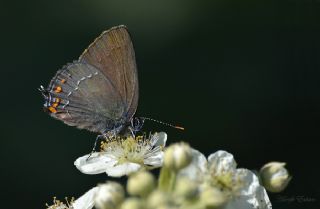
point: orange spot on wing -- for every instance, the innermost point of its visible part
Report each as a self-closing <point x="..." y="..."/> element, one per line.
<point x="52" y="109"/>
<point x="63" y="80"/>
<point x="58" y="89"/>
<point x="55" y="104"/>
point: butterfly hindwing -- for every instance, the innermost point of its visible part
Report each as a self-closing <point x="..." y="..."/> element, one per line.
<point x="80" y="95"/>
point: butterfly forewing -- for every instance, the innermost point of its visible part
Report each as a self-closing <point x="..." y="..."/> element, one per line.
<point x="113" y="54"/>
<point x="81" y="95"/>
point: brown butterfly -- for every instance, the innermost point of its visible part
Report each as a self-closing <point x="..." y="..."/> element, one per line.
<point x="99" y="91"/>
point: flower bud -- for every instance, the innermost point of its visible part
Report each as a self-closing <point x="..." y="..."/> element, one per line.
<point x="141" y="183"/>
<point x="177" y="156"/>
<point x="186" y="188"/>
<point x="132" y="203"/>
<point x="274" y="176"/>
<point x="212" y="198"/>
<point x="109" y="196"/>
<point x="158" y="199"/>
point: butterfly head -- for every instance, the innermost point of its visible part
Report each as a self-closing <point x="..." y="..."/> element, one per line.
<point x="137" y="123"/>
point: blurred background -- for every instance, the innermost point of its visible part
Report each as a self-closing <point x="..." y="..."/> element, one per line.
<point x="242" y="76"/>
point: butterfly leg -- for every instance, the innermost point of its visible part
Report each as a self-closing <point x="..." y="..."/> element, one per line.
<point x="94" y="145"/>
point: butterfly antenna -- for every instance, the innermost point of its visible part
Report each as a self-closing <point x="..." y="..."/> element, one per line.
<point x="163" y="123"/>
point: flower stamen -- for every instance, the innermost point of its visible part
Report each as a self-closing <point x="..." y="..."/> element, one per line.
<point x="124" y="155"/>
<point x="129" y="149"/>
<point x="57" y="204"/>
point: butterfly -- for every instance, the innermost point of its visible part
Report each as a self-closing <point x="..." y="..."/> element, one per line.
<point x="98" y="92"/>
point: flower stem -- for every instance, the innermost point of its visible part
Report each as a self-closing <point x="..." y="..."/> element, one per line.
<point x="167" y="179"/>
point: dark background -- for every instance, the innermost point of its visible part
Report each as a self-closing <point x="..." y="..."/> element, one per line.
<point x="242" y="76"/>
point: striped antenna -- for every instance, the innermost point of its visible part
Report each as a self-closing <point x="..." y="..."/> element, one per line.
<point x="163" y="123"/>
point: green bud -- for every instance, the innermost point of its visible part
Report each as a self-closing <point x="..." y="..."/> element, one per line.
<point x="177" y="156"/>
<point x="186" y="188"/>
<point x="158" y="199"/>
<point x="212" y="198"/>
<point x="132" y="203"/>
<point x="141" y="183"/>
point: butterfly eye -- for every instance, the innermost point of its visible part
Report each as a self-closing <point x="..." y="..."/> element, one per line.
<point x="137" y="123"/>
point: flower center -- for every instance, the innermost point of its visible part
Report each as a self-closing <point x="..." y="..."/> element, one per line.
<point x="128" y="149"/>
<point x="57" y="204"/>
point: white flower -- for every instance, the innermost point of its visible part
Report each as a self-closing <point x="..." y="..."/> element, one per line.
<point x="86" y="201"/>
<point x="60" y="205"/>
<point x="240" y="185"/>
<point x="249" y="194"/>
<point x="120" y="156"/>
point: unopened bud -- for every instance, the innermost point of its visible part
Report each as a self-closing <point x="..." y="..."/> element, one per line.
<point x="157" y="199"/>
<point x="109" y="195"/>
<point x="213" y="198"/>
<point x="177" y="156"/>
<point x="132" y="203"/>
<point x="186" y="188"/>
<point x="274" y="176"/>
<point x="141" y="183"/>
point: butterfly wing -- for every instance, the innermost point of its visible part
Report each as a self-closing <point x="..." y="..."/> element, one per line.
<point x="81" y="95"/>
<point x="113" y="54"/>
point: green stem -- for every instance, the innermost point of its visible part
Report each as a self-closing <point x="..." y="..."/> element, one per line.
<point x="167" y="179"/>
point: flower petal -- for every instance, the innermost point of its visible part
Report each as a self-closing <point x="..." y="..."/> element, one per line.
<point x="250" y="194"/>
<point x="262" y="198"/>
<point x="86" y="201"/>
<point x="260" y="201"/>
<point x="248" y="180"/>
<point x="97" y="163"/>
<point x="221" y="162"/>
<point x="159" y="139"/>
<point x="197" y="169"/>
<point x="121" y="169"/>
<point x="155" y="160"/>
